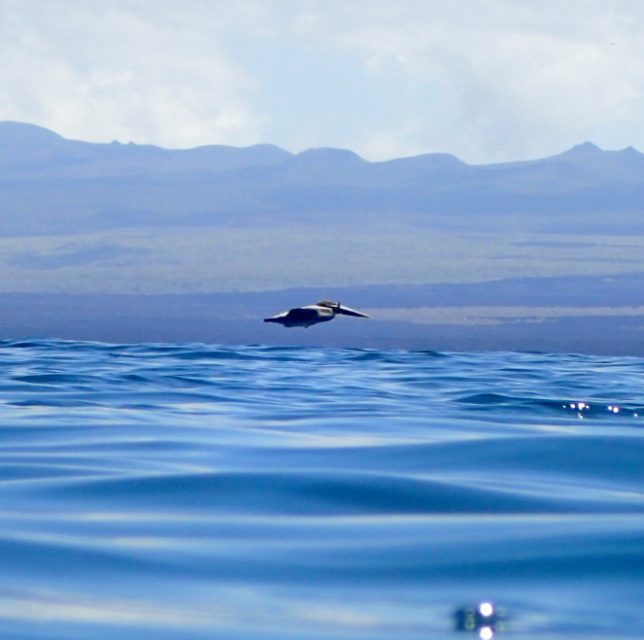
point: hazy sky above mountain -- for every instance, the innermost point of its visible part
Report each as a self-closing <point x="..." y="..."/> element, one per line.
<point x="486" y="80"/>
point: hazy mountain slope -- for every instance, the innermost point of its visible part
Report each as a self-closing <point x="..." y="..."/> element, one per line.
<point x="52" y="185"/>
<point x="110" y="218"/>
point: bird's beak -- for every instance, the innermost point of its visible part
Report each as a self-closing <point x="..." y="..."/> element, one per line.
<point x="350" y="312"/>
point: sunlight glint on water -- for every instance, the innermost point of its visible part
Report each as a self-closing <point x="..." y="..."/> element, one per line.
<point x="197" y="491"/>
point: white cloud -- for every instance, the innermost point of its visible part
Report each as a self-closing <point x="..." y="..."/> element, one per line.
<point x="129" y="71"/>
<point x="483" y="79"/>
<point x="499" y="78"/>
<point x="510" y="78"/>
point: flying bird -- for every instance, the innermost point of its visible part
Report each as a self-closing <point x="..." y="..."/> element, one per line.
<point x="313" y="314"/>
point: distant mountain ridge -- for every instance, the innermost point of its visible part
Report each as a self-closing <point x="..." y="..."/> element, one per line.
<point x="28" y="151"/>
<point x="49" y="184"/>
<point x="34" y="141"/>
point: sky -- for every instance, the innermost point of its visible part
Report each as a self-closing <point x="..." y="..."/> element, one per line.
<point x="485" y="80"/>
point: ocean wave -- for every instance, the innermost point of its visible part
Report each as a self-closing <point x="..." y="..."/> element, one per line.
<point x="380" y="486"/>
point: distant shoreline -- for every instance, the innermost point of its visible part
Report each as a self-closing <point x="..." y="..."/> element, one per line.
<point x="435" y="317"/>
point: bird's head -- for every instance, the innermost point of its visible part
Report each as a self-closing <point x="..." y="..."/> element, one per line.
<point x="339" y="308"/>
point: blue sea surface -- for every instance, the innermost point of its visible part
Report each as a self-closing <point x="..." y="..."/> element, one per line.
<point x="198" y="491"/>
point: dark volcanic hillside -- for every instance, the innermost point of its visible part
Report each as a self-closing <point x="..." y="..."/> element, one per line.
<point x="50" y="185"/>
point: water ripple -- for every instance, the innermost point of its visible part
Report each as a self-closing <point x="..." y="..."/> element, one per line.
<point x="166" y="491"/>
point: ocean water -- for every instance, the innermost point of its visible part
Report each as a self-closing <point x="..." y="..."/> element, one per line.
<point x="255" y="493"/>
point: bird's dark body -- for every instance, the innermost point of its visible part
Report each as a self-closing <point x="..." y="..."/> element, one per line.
<point x="313" y="314"/>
